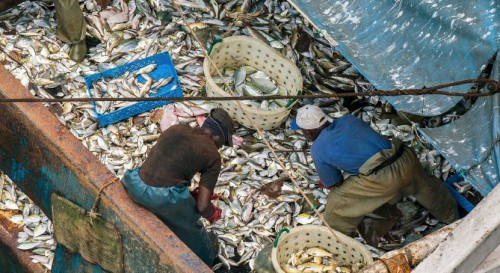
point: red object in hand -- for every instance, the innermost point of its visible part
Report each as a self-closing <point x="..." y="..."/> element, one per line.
<point x="217" y="215"/>
<point x="214" y="197"/>
<point x="195" y="192"/>
<point x="321" y="185"/>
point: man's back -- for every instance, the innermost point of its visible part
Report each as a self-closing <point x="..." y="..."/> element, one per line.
<point x="347" y="144"/>
<point x="181" y="152"/>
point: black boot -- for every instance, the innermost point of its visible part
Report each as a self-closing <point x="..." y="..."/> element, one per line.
<point x="78" y="51"/>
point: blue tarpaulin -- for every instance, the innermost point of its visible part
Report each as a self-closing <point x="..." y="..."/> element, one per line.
<point x="410" y="44"/>
<point x="416" y="43"/>
<point x="471" y="143"/>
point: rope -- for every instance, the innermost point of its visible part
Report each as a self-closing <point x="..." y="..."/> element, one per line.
<point x="435" y="90"/>
<point x="92" y="213"/>
<point x="282" y="165"/>
<point x="414" y="128"/>
<point x="16" y="61"/>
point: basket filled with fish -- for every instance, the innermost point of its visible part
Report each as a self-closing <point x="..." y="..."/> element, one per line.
<point x="154" y="76"/>
<point x="313" y="248"/>
<point x="252" y="68"/>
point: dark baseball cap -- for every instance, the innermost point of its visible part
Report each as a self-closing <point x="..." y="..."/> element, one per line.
<point x="223" y="118"/>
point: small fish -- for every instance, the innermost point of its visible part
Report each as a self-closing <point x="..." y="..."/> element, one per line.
<point x="146" y="87"/>
<point x="18" y="219"/>
<point x="33" y="219"/>
<point x="28" y="245"/>
<point x="39" y="230"/>
<point x="145" y="70"/>
<point x="162" y="82"/>
<point x="10" y="205"/>
<point x="305" y="219"/>
<point x="40" y="259"/>
<point x="290" y="269"/>
<point x="239" y="76"/>
<point x="246" y="214"/>
<point x="318" y="252"/>
<point x="314" y="267"/>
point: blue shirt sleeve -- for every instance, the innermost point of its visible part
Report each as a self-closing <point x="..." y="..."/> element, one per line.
<point x="328" y="174"/>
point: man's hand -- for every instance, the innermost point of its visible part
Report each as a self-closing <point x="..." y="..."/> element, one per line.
<point x="196" y="191"/>
<point x="217" y="215"/>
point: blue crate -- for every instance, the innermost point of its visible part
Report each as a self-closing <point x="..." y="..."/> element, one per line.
<point x="165" y="68"/>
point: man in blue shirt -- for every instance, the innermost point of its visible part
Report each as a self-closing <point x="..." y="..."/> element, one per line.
<point x="380" y="171"/>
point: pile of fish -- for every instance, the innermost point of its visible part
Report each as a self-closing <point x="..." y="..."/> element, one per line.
<point x="131" y="30"/>
<point x="316" y="259"/>
<point x="248" y="81"/>
<point x="37" y="234"/>
<point x="127" y="85"/>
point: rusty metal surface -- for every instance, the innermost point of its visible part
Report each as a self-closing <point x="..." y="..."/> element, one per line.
<point x="17" y="260"/>
<point x="397" y="264"/>
<point x="42" y="156"/>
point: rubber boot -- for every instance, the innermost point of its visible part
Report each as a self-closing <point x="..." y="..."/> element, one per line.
<point x="71" y="27"/>
<point x="78" y="51"/>
<point x="263" y="261"/>
<point x="214" y="244"/>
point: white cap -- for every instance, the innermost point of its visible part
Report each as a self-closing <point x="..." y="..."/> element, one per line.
<point x="310" y="117"/>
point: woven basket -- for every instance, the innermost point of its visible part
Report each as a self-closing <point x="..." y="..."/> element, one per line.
<point x="318" y="236"/>
<point x="236" y="51"/>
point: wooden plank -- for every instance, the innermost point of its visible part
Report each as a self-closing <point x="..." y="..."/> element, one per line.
<point x="491" y="263"/>
<point x="96" y="240"/>
<point x="471" y="241"/>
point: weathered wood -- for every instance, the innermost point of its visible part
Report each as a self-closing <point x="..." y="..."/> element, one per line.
<point x="471" y="242"/>
<point x="491" y="263"/>
<point x="95" y="239"/>
<point x="415" y="252"/>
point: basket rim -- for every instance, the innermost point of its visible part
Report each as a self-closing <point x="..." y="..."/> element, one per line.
<point x="299" y="229"/>
<point x="217" y="89"/>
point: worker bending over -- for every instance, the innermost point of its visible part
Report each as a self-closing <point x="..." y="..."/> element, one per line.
<point x="380" y="171"/>
<point x="161" y="183"/>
